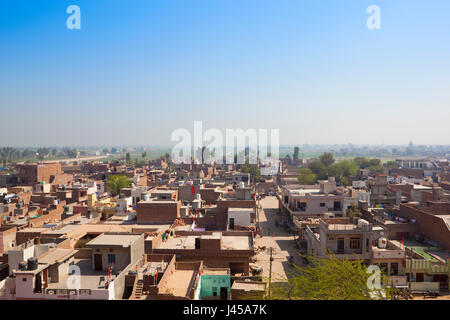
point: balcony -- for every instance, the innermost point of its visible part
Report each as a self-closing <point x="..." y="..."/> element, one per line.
<point x="346" y="252"/>
<point x="398" y="281"/>
<point x="378" y="253"/>
<point x="419" y="265"/>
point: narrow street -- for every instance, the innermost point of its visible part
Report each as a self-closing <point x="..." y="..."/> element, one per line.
<point x="281" y="240"/>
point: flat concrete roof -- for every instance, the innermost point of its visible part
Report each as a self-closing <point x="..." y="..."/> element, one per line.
<point x="89" y="278"/>
<point x="48" y="258"/>
<point x="121" y="240"/>
<point x="235" y="210"/>
<point x="178" y="283"/>
<point x="65" y="229"/>
<point x="236" y="243"/>
<point x="188" y="242"/>
<point x="216" y="271"/>
<point x="154" y="201"/>
<point x="33" y="230"/>
<point x="56" y="255"/>
<point x="248" y="286"/>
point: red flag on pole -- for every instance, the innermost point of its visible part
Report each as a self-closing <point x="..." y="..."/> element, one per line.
<point x="193" y="189"/>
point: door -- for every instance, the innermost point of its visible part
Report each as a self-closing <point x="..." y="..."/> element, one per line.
<point x="45" y="272"/>
<point x="223" y="293"/>
<point x="231" y="223"/>
<point x="419" y="277"/>
<point x="443" y="281"/>
<point x="98" y="262"/>
<point x="340" y="245"/>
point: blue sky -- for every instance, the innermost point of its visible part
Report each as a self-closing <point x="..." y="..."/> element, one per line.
<point x="137" y="70"/>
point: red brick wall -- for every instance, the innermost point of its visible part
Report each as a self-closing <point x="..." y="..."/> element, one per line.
<point x="209" y="195"/>
<point x="416" y="173"/>
<point x="429" y="225"/>
<point x="237" y="203"/>
<point x="54" y="215"/>
<point x="154" y="212"/>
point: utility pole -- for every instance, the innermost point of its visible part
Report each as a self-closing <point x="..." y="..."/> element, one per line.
<point x="270" y="273"/>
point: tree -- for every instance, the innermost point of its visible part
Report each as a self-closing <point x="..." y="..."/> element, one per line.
<point x="255" y="172"/>
<point x="139" y="163"/>
<point x="353" y="213"/>
<point x="391" y="164"/>
<point x="306" y="176"/>
<point x="327" y="159"/>
<point x="330" y="278"/>
<point x="117" y="182"/>
<point x="43" y="152"/>
<point x="343" y="170"/>
<point x="376" y="169"/>
<point x="128" y="157"/>
<point x="360" y="161"/>
<point x="318" y="168"/>
<point x="71" y="153"/>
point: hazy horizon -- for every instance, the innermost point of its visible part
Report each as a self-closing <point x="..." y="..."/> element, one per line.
<point x="325" y="145"/>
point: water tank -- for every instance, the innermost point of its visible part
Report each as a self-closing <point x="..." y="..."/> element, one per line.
<point x="362" y="222"/>
<point x="22" y="265"/>
<point x="198" y="196"/>
<point x="55" y="202"/>
<point x="382" y="243"/>
<point x="241" y="185"/>
<point x="32" y="264"/>
<point x="146" y="197"/>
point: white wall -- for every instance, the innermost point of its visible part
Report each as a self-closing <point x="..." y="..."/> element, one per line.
<point x="16" y="256"/>
<point x="241" y="218"/>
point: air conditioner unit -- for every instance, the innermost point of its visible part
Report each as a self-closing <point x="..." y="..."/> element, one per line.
<point x="73" y="292"/>
<point x="50" y="291"/>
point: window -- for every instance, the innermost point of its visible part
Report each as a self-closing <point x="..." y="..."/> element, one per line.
<point x="384" y="267"/>
<point x="214" y="290"/>
<point x="301" y="206"/>
<point x="24" y="279"/>
<point x="111" y="258"/>
<point x="337" y="206"/>
<point x="394" y="268"/>
<point x="355" y="243"/>
<point x="322" y="204"/>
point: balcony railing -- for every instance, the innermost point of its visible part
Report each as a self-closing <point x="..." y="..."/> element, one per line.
<point x="387" y="254"/>
<point x="427" y="265"/>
